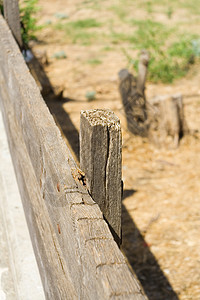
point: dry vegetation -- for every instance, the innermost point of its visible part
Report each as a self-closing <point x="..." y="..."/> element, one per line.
<point x="161" y="205"/>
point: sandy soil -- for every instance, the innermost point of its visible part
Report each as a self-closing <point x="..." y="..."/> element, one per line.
<point x="161" y="205"/>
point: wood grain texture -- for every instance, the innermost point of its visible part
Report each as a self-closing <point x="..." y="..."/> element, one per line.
<point x="134" y="102"/>
<point x="167" y="122"/>
<point x="100" y="159"/>
<point x="142" y="71"/>
<point x="75" y="251"/>
<point x="11" y="13"/>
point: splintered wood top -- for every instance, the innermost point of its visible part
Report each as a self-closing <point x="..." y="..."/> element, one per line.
<point x="104" y="117"/>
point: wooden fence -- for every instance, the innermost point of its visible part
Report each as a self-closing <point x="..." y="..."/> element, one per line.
<point x="74" y="249"/>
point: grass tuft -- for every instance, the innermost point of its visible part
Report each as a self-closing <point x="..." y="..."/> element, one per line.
<point x="169" y="60"/>
<point x="171" y="53"/>
<point x="28" y="9"/>
<point x="84" y="24"/>
<point x="94" y="61"/>
<point x="78" y="31"/>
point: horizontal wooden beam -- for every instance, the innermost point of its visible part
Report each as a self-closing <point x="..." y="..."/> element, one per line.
<point x="11" y="13"/>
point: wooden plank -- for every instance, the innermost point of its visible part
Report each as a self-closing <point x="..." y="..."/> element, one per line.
<point x="100" y="159"/>
<point x="41" y="229"/>
<point x="11" y="13"/>
<point x="65" y="224"/>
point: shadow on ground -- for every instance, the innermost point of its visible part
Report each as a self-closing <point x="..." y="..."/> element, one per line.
<point x="140" y="258"/>
<point x="55" y="105"/>
<point x="64" y="122"/>
<point x="144" y="264"/>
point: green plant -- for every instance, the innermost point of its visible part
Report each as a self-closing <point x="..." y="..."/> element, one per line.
<point x="119" y="37"/>
<point x="79" y="31"/>
<point x="120" y="10"/>
<point x="149" y="34"/>
<point x="107" y="48"/>
<point x="170" y="59"/>
<point x="84" y="24"/>
<point x="94" y="61"/>
<point x="149" y="7"/>
<point x="1" y="6"/>
<point x="132" y="63"/>
<point x="169" y="12"/>
<point x="28" y="9"/>
<point x="155" y="30"/>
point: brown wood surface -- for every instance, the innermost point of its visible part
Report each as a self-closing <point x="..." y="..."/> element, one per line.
<point x="167" y="123"/>
<point x="100" y="159"/>
<point x="142" y="71"/>
<point x="75" y="251"/>
<point x="11" y="13"/>
<point x="132" y="91"/>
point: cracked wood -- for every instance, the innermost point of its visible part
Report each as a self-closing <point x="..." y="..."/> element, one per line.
<point x="100" y="159"/>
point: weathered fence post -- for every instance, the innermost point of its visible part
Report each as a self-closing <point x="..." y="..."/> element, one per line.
<point x="11" y="13"/>
<point x="167" y="122"/>
<point x="132" y="91"/>
<point x="100" y="159"/>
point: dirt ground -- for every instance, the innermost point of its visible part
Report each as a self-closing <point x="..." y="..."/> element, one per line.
<point x="161" y="202"/>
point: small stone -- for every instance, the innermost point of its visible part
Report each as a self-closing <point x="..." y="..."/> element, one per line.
<point x="61" y="16"/>
<point x="60" y="55"/>
<point x="167" y="271"/>
<point x="48" y="22"/>
<point x="90" y="95"/>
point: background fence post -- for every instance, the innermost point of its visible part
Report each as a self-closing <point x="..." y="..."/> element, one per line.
<point x="11" y="14"/>
<point x="100" y="159"/>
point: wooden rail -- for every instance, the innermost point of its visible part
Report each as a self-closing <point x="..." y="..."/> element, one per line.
<point x="11" y="13"/>
<point x="75" y="251"/>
